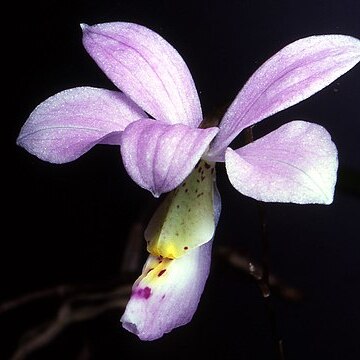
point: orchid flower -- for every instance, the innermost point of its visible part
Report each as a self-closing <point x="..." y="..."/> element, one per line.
<point x="156" y="118"/>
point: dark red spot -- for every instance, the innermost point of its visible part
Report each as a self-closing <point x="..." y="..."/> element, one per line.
<point x="184" y="183"/>
<point x="207" y="166"/>
<point x="185" y="248"/>
<point x="161" y="272"/>
<point x="150" y="270"/>
<point x="186" y="190"/>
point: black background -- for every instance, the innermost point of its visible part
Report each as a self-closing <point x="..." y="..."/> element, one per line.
<point x="68" y="224"/>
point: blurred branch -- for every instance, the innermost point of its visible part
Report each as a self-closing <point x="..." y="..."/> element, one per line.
<point x="82" y="303"/>
<point x="60" y="291"/>
<point x="71" y="312"/>
<point x="245" y="264"/>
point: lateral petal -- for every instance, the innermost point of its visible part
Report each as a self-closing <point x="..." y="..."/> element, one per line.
<point x="293" y="74"/>
<point x="158" y="156"/>
<point x="296" y="163"/>
<point x="147" y="68"/>
<point x="68" y="124"/>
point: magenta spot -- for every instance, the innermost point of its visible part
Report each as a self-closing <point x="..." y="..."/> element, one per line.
<point x="142" y="293"/>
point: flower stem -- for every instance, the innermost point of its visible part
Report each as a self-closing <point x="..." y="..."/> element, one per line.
<point x="265" y="285"/>
<point x="263" y="280"/>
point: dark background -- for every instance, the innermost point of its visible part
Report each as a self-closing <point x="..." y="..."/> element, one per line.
<point x="69" y="224"/>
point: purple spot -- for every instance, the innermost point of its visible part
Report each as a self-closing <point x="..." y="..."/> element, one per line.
<point x="142" y="293"/>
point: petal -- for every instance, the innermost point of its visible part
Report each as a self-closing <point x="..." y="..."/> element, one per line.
<point x="159" y="156"/>
<point x="296" y="163"/>
<point x="293" y="74"/>
<point x="147" y="68"/>
<point x="185" y="219"/>
<point x="68" y="124"/>
<point x="167" y="293"/>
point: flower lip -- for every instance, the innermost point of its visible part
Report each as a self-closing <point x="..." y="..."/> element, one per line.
<point x="130" y="327"/>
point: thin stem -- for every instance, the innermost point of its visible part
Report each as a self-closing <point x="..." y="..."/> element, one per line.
<point x="263" y="281"/>
<point x="265" y="251"/>
<point x="265" y="285"/>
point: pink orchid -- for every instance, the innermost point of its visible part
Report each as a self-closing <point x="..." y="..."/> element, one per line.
<point x="156" y="121"/>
